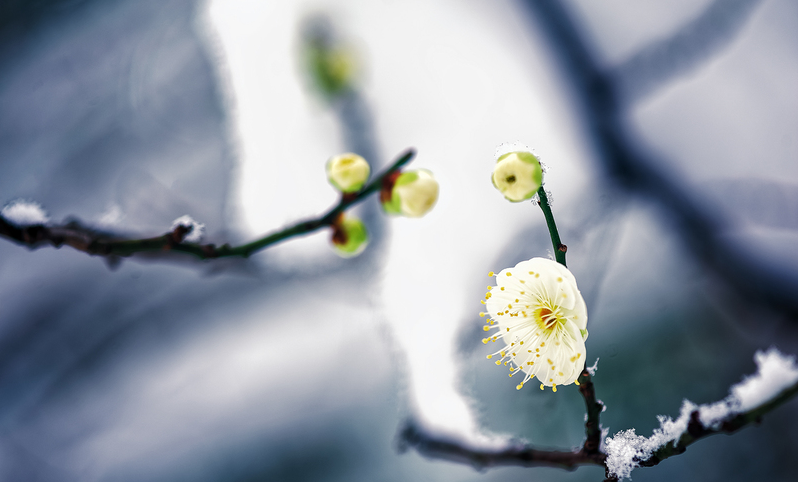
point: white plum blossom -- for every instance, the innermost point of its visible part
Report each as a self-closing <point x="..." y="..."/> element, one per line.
<point x="348" y="172"/>
<point x="24" y="213"/>
<point x="541" y="318"/>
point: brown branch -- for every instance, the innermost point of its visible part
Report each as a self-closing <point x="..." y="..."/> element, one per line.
<point x="696" y="430"/>
<point x="594" y="409"/>
<point x="520" y="455"/>
<point x="98" y="243"/>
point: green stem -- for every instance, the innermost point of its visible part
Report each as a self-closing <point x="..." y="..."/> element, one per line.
<point x="559" y="248"/>
<point x="94" y="243"/>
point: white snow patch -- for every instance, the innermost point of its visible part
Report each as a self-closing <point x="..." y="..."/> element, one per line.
<point x="592" y="370"/>
<point x="775" y="373"/>
<point x="196" y="230"/>
<point x="24" y="213"/>
<point x="508" y="147"/>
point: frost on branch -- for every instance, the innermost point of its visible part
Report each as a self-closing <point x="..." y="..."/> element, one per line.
<point x="775" y="373"/>
<point x="195" y="230"/>
<point x="24" y="213"/>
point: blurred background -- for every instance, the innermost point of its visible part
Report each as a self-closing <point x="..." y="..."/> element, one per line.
<point x="296" y="365"/>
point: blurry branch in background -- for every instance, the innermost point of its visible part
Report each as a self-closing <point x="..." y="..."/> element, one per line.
<point x="100" y="243"/>
<point x="633" y="167"/>
<point x="661" y="62"/>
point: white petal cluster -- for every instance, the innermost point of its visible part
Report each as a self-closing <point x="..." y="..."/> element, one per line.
<point x="541" y="319"/>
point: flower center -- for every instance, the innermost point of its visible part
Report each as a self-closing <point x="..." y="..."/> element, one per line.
<point x="545" y="318"/>
<point x="510" y="179"/>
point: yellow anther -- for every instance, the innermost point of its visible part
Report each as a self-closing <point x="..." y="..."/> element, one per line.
<point x="523" y="292"/>
<point x="522" y="281"/>
<point x="512" y="344"/>
<point x="557" y="343"/>
<point x="513" y="353"/>
<point x="502" y="353"/>
<point x="490" y="273"/>
<point x="508" y="330"/>
<point x="554" y="388"/>
<point x="482" y="301"/>
<point x="521" y="343"/>
<point x="510" y="306"/>
<point x="490" y="356"/>
<point x="505" y="312"/>
<point x="530" y="351"/>
<point x="559" y="280"/>
<point x="541" y="386"/>
<point x="519" y="386"/>
<point x="531" y="272"/>
<point x="490" y="288"/>
<point x="537" y="355"/>
<point x="482" y="314"/>
<point x="516" y="300"/>
<point x="505" y="363"/>
<point x="502" y="288"/>
<point x="537" y="349"/>
<point x="577" y="383"/>
<point x="509" y="274"/>
<point x="558" y="373"/>
<point x="487" y="295"/>
<point x="564" y="295"/>
<point x="485" y="328"/>
<point x="551" y="379"/>
<point x="578" y="355"/>
<point x="549" y="360"/>
<point x="573" y="358"/>
<point x="510" y="375"/>
<point x="498" y="362"/>
<point x="543" y="343"/>
<point x="537" y="275"/>
<point x="484" y="341"/>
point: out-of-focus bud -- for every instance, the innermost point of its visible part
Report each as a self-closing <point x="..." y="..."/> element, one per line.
<point x="349" y="236"/>
<point x="411" y="193"/>
<point x="517" y="175"/>
<point x="348" y="172"/>
<point x="331" y="64"/>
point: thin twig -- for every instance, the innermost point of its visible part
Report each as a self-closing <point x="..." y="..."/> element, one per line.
<point x="594" y="409"/>
<point x="99" y="243"/>
<point x="559" y="248"/>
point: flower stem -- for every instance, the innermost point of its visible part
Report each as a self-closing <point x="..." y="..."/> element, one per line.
<point x="559" y="248"/>
<point x="97" y="243"/>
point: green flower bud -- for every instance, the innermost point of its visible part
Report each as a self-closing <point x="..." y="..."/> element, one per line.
<point x="517" y="175"/>
<point x="349" y="236"/>
<point x="348" y="172"/>
<point x="412" y="194"/>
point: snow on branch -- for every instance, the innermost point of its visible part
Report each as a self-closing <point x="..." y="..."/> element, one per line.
<point x="775" y="381"/>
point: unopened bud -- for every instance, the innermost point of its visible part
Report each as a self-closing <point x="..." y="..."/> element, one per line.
<point x="349" y="236"/>
<point x="348" y="172"/>
<point x="412" y="194"/>
<point x="517" y="175"/>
